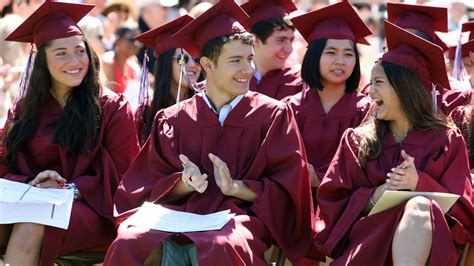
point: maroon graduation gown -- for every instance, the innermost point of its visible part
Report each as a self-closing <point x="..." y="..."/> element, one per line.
<point x="461" y="117"/>
<point x="322" y="132"/>
<point x="278" y="83"/>
<point x="455" y="98"/>
<point x="96" y="175"/>
<point x="357" y="239"/>
<point x="260" y="144"/>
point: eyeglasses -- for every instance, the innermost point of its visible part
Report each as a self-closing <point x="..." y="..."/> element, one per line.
<point x="185" y="57"/>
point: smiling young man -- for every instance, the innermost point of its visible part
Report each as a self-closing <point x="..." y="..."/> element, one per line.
<point x="224" y="148"/>
<point x="274" y="35"/>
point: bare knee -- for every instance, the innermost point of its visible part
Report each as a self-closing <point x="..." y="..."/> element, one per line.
<point x="417" y="209"/>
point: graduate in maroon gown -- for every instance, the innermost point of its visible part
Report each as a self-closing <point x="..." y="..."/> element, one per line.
<point x="330" y="102"/>
<point x="274" y="35"/>
<point x="462" y="115"/>
<point x="167" y="74"/>
<point x="404" y="147"/>
<point x="65" y="130"/>
<point x="423" y="21"/>
<point x="458" y="97"/>
<point x="225" y="148"/>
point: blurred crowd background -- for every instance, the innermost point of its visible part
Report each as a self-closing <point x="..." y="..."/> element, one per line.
<point x="112" y="24"/>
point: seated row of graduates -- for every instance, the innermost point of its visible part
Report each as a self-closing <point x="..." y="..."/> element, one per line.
<point x="230" y="148"/>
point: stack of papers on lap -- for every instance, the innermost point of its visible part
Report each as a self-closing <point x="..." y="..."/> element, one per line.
<point x="157" y="217"/>
<point x="391" y="199"/>
<point x="24" y="203"/>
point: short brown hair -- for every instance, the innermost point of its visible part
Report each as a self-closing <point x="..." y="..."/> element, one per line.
<point x="213" y="48"/>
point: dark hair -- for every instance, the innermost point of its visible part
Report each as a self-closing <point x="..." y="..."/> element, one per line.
<point x="77" y="128"/>
<point x="310" y="66"/>
<point x="213" y="48"/>
<point x="162" y="97"/>
<point x="265" y="28"/>
<point x="415" y="103"/>
<point x="421" y="34"/>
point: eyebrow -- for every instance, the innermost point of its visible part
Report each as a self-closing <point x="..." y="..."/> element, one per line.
<point x="235" y="57"/>
<point x="64" y="48"/>
<point x="334" y="48"/>
<point x="378" y="77"/>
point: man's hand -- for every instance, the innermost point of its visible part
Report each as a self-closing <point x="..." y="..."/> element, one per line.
<point x="192" y="177"/>
<point x="222" y="175"/>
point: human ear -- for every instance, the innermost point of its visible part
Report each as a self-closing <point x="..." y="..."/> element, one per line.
<point x="206" y="63"/>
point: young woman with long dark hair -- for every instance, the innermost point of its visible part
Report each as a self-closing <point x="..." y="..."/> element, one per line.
<point x="67" y="131"/>
<point x="167" y="73"/>
<point x="404" y="146"/>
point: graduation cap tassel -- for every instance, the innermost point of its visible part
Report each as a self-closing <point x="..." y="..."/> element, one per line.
<point x="25" y="77"/>
<point x="434" y="98"/>
<point x="182" y="69"/>
<point x="195" y="86"/>
<point x="459" y="72"/>
<point x="144" y="82"/>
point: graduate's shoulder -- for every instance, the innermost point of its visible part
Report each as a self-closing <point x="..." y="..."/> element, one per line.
<point x="111" y="99"/>
<point x="264" y="103"/>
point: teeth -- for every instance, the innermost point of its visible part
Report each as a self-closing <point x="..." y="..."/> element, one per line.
<point x="242" y="80"/>
<point x="191" y="73"/>
<point x="73" y="71"/>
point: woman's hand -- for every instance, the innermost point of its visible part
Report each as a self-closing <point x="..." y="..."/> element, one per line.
<point x="48" y="179"/>
<point x="404" y="176"/>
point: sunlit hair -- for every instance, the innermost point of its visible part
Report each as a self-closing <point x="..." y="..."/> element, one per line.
<point x="76" y="129"/>
<point x="162" y="97"/>
<point x="265" y="28"/>
<point x="213" y="48"/>
<point x="415" y="104"/>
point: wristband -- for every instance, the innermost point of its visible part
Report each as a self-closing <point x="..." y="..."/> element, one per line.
<point x="372" y="203"/>
<point x="74" y="188"/>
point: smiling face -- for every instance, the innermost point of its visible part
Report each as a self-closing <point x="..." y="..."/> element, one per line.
<point x="386" y="101"/>
<point x="337" y="62"/>
<point x="67" y="62"/>
<point x="230" y="75"/>
<point x="193" y="69"/>
<point x="275" y="51"/>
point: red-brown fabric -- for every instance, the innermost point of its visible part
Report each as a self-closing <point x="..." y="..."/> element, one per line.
<point x="160" y="39"/>
<point x="336" y="21"/>
<point x="223" y="18"/>
<point x="357" y="239"/>
<point x="461" y="117"/>
<point x="451" y="99"/>
<point x="322" y="132"/>
<point x="52" y="20"/>
<point x="260" y="144"/>
<point x="259" y="10"/>
<point x="96" y="175"/>
<point x="279" y="83"/>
